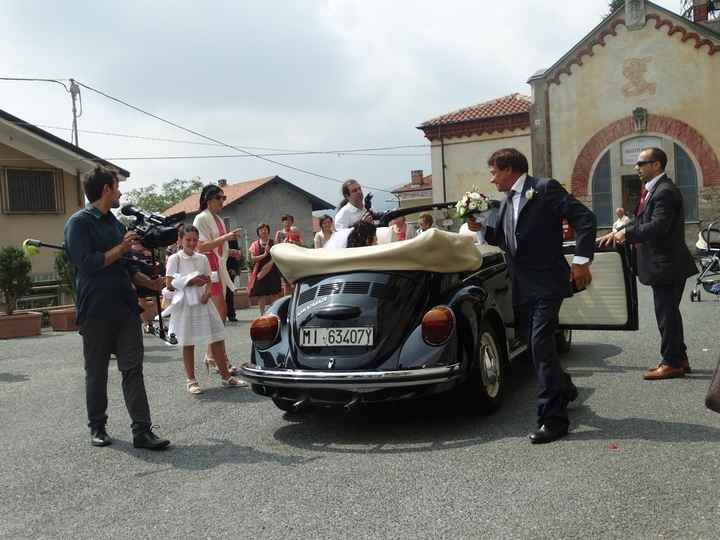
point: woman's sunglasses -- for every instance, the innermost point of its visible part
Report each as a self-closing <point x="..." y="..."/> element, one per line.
<point x="220" y="198"/>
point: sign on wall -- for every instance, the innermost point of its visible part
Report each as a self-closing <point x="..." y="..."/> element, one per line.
<point x="631" y="148"/>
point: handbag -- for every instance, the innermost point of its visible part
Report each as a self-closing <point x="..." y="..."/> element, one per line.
<point x="712" y="399"/>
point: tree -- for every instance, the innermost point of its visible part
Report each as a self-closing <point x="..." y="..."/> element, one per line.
<point x="614" y="5"/>
<point x="685" y="5"/>
<point x="154" y="198"/>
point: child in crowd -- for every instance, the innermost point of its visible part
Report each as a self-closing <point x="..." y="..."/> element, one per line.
<point x="193" y="319"/>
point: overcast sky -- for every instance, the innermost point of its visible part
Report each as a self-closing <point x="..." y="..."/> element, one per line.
<point x="303" y="75"/>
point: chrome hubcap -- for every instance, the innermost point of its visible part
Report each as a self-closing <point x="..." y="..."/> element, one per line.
<point x="489" y="365"/>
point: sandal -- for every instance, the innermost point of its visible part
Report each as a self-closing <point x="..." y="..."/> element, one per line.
<point x="232" y="382"/>
<point x="193" y="387"/>
<point x="210" y="363"/>
<point x="233" y="370"/>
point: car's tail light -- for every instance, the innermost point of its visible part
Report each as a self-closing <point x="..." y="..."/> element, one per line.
<point x="438" y="325"/>
<point x="264" y="331"/>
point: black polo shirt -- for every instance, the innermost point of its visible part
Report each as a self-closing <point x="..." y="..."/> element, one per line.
<point x="103" y="292"/>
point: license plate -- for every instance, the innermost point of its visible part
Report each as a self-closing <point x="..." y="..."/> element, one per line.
<point x="336" y="337"/>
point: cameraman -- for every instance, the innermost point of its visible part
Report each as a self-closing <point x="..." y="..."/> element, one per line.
<point x="351" y="209"/>
<point x="107" y="308"/>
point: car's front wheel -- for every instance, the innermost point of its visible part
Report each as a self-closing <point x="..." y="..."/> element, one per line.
<point x="485" y="387"/>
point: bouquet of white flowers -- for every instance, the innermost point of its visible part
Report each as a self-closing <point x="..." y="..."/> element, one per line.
<point x="472" y="202"/>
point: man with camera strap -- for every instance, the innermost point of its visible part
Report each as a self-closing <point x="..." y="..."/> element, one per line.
<point x="107" y="308"/>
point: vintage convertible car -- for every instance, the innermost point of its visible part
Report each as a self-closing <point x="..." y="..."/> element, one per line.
<point x="410" y="318"/>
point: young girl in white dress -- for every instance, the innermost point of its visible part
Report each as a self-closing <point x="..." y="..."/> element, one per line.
<point x="193" y="319"/>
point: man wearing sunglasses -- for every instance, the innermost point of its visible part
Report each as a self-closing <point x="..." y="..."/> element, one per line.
<point x="663" y="259"/>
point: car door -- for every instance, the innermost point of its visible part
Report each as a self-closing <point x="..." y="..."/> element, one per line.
<point x="610" y="302"/>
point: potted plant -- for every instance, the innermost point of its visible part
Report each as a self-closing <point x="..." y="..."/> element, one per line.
<point x="62" y="319"/>
<point x="15" y="282"/>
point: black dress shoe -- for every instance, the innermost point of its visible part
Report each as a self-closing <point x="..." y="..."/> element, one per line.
<point x="547" y="434"/>
<point x="150" y="441"/>
<point x="571" y="393"/>
<point x="99" y="437"/>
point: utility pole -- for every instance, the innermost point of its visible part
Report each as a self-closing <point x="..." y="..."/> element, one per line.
<point x="75" y="94"/>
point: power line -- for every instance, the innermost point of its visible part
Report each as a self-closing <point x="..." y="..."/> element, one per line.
<point x="270" y="149"/>
<point x="280" y="151"/>
<point x="290" y="151"/>
<point x="26" y="79"/>
<point x="198" y="134"/>
<point x="216" y="156"/>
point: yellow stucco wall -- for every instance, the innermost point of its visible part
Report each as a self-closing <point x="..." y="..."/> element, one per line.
<point x="682" y="83"/>
<point x="466" y="162"/>
<point x="14" y="228"/>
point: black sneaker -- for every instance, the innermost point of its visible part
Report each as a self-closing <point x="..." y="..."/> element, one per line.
<point x="99" y="437"/>
<point x="150" y="441"/>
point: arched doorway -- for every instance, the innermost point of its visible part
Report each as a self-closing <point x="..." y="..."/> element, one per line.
<point x="615" y="183"/>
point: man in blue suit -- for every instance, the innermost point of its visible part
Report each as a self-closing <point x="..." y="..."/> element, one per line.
<point x="529" y="229"/>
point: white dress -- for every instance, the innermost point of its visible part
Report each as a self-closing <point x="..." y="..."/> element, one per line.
<point x="348" y="216"/>
<point x="479" y="235"/>
<point x="192" y="322"/>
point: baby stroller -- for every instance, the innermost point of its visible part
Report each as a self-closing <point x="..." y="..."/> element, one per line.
<point x="708" y="252"/>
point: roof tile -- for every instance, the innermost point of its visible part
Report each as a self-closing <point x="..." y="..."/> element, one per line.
<point x="504" y="106"/>
<point x="233" y="192"/>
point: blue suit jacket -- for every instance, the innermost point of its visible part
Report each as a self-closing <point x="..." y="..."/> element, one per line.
<point x="538" y="267"/>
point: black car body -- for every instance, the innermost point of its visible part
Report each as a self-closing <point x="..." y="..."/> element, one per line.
<point x="360" y="327"/>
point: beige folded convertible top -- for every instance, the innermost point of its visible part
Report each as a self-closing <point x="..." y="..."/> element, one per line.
<point x="432" y="251"/>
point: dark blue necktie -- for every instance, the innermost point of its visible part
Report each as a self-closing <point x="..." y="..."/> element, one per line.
<point x="510" y="222"/>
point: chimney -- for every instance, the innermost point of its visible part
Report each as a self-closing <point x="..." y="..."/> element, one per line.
<point x="222" y="182"/>
<point x="416" y="177"/>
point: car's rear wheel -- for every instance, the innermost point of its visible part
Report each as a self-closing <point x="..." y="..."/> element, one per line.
<point x="485" y="387"/>
<point x="563" y="340"/>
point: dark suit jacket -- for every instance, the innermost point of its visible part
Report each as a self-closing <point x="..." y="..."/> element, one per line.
<point x="233" y="264"/>
<point x="538" y="268"/>
<point x="659" y="235"/>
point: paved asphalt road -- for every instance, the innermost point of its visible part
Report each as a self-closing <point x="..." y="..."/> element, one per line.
<point x="239" y="468"/>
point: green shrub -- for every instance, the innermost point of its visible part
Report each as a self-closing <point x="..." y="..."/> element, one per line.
<point x="15" y="279"/>
<point x="66" y="272"/>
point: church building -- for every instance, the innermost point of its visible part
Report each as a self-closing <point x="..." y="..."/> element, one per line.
<point x="645" y="76"/>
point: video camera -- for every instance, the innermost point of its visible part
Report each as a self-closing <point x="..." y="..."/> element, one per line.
<point x="368" y="207"/>
<point x="154" y="230"/>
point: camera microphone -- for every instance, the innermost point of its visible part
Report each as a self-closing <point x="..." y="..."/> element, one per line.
<point x="141" y="215"/>
<point x="130" y="210"/>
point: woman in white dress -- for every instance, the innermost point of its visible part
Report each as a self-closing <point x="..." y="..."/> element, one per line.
<point x="194" y="319"/>
<point x="474" y="226"/>
<point x="325" y="232"/>
<point x="214" y="243"/>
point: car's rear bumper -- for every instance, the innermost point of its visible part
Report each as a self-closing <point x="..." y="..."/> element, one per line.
<point x="349" y="381"/>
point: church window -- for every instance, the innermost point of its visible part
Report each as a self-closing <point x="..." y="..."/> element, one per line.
<point x="686" y="181"/>
<point x="602" y="192"/>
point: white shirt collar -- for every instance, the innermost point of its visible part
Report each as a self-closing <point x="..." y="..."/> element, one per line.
<point x="519" y="183"/>
<point x="184" y="255"/>
<point x="651" y="184"/>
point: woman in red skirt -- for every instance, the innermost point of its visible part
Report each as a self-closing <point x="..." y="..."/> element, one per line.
<point x="214" y="245"/>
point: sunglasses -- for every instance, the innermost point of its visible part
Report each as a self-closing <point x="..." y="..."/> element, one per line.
<point x="220" y="198"/>
<point x="641" y="163"/>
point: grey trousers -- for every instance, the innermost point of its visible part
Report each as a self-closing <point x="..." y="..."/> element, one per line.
<point x="124" y="339"/>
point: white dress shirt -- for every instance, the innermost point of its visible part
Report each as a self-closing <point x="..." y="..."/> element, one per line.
<point x="651" y="184"/>
<point x="517" y="187"/>
<point x="348" y="216"/>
